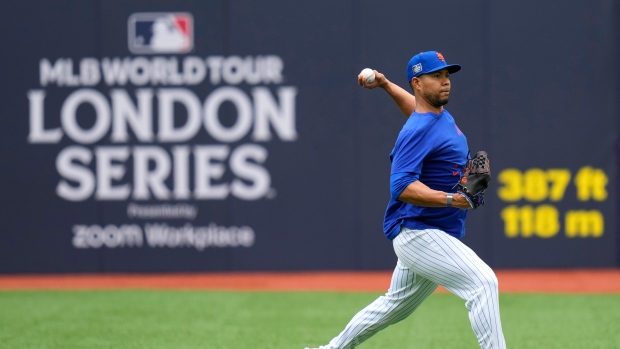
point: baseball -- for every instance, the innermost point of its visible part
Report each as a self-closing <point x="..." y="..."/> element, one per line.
<point x="369" y="75"/>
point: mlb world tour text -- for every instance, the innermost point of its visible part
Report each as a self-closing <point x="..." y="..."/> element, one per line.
<point x="164" y="84"/>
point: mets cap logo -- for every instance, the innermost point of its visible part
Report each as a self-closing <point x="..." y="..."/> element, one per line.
<point x="440" y="56"/>
<point x="160" y="32"/>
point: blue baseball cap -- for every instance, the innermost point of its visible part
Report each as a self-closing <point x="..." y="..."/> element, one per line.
<point x="428" y="62"/>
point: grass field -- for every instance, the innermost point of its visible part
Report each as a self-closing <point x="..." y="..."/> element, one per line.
<point x="291" y="320"/>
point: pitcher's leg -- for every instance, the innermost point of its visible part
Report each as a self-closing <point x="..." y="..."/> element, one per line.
<point x="447" y="261"/>
<point x="407" y="291"/>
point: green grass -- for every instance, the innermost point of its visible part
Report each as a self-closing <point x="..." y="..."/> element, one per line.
<point x="240" y="320"/>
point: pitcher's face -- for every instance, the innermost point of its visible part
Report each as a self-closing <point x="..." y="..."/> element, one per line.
<point x="435" y="87"/>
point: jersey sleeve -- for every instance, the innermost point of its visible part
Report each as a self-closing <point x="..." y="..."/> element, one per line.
<point x="400" y="181"/>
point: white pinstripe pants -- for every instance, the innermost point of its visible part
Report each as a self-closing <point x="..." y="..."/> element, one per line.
<point x="426" y="259"/>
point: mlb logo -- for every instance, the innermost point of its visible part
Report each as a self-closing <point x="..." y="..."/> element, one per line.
<point x="153" y="33"/>
<point x="417" y="68"/>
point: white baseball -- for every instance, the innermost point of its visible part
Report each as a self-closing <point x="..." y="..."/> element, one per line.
<point x="369" y="75"/>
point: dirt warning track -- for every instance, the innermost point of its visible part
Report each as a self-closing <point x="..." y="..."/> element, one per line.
<point x="510" y="281"/>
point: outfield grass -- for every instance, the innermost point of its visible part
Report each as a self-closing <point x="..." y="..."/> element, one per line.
<point x="245" y="320"/>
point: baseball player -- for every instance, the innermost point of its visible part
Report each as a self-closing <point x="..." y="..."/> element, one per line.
<point x="425" y="217"/>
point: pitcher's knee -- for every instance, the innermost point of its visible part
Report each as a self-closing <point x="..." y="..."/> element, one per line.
<point x="486" y="281"/>
<point x="490" y="282"/>
<point x="484" y="287"/>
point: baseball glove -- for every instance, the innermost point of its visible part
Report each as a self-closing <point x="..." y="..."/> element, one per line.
<point x="475" y="179"/>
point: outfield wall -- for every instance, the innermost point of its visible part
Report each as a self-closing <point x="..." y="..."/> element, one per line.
<point x="151" y="136"/>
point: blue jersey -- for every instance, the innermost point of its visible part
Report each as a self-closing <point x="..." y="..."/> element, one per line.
<point x="430" y="147"/>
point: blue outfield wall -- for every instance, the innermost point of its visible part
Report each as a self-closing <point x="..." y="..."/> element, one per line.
<point x="151" y="136"/>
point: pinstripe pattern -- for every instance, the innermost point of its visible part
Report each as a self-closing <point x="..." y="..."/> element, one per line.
<point x="427" y="258"/>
